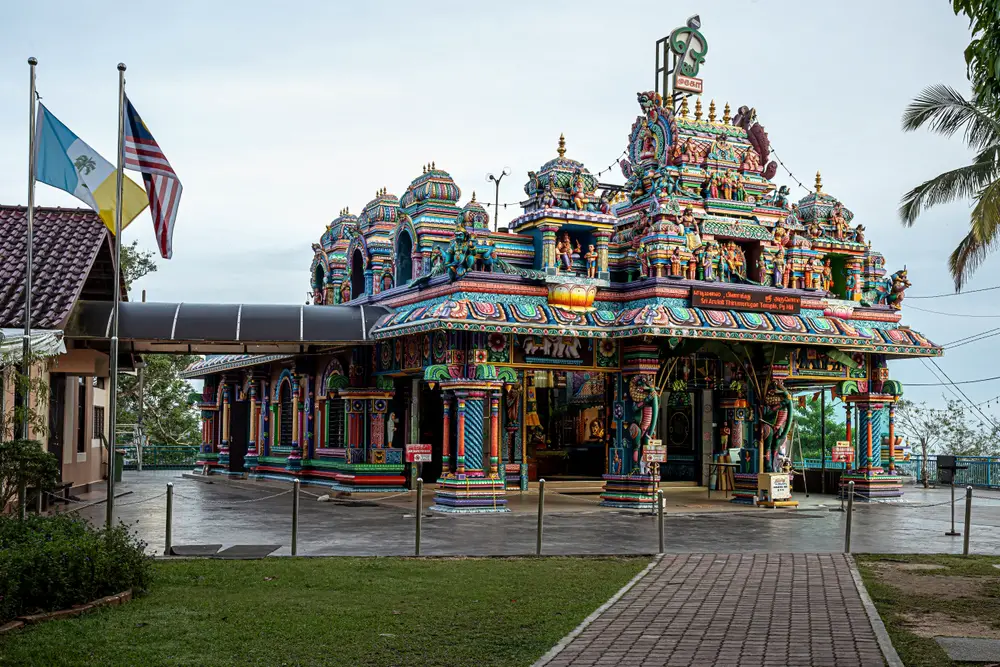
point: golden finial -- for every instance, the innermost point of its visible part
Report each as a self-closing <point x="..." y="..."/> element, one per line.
<point x="425" y="169"/>
<point x="711" y="111"/>
<point x="697" y="109"/>
<point x="819" y="183"/>
<point x="725" y="114"/>
<point x="684" y="107"/>
<point x="473" y="196"/>
<point x="668" y="102"/>
<point x="562" y="145"/>
<point x="433" y="165"/>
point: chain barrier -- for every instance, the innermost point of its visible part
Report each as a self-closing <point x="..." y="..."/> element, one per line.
<point x="230" y="502"/>
<point x="139" y="502"/>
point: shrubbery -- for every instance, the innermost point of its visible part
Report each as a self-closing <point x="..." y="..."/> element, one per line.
<point x="53" y="562"/>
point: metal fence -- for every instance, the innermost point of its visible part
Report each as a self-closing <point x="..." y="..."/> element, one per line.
<point x="817" y="463"/>
<point x="161" y="457"/>
<point x="982" y="471"/>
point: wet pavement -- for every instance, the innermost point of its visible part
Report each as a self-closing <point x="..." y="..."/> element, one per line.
<point x="213" y="513"/>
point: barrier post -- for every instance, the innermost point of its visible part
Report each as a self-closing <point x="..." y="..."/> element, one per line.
<point x="295" y="517"/>
<point x="659" y="514"/>
<point x="850" y="515"/>
<point x="168" y="538"/>
<point x="968" y="520"/>
<point x="420" y="513"/>
<point x="953" y="532"/>
<point x="541" y="511"/>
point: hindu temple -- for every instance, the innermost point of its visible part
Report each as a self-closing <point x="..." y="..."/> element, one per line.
<point x="633" y="334"/>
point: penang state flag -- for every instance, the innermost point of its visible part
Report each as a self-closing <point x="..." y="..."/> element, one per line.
<point x="63" y="161"/>
<point x="142" y="153"/>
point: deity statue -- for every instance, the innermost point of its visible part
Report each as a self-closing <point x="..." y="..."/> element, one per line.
<point x="780" y="233"/>
<point x="605" y="203"/>
<point x="707" y="260"/>
<point x="827" y="276"/>
<point x="780" y="197"/>
<point x="564" y="250"/>
<point x="750" y="161"/>
<point x="437" y="261"/>
<point x="838" y="222"/>
<point x="386" y="282"/>
<point x="814" y="229"/>
<point x="792" y="218"/>
<point x="591" y="258"/>
<point x="534" y="185"/>
<point x="647" y="142"/>
<point x="596" y="429"/>
<point x="727" y="185"/>
<point x="852" y="283"/>
<point x="859" y="234"/>
<point x="724" y="266"/>
<point x="643" y="258"/>
<point x="764" y="270"/>
<point x="741" y="193"/>
<point x="688" y="221"/>
<point x="390" y="428"/>
<point x="675" y="263"/>
<point x="710" y="189"/>
<point x="549" y="198"/>
<point x="512" y="402"/>
<point x="579" y="191"/>
<point x="692" y="268"/>
<point x="816" y="276"/>
<point x="779" y="269"/>
<point x="724" y="435"/>
<point x="722" y="149"/>
<point x="345" y="291"/>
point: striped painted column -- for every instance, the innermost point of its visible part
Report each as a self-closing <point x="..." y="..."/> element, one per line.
<point x="494" y="432"/>
<point x="446" y="434"/>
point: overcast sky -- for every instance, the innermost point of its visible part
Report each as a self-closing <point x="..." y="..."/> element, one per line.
<point x="276" y="116"/>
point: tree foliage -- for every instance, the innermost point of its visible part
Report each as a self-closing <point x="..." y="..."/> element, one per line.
<point x="982" y="56"/>
<point x="168" y="417"/>
<point x="25" y="463"/>
<point x="808" y="428"/>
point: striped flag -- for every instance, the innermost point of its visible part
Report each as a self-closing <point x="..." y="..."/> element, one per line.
<point x="143" y="154"/>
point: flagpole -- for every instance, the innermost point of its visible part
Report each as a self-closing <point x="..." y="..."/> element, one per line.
<point x="25" y="425"/>
<point x="113" y="419"/>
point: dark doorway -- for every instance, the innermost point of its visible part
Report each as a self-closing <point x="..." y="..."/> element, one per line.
<point x="286" y="416"/>
<point x="404" y="263"/>
<point x="81" y="415"/>
<point x="239" y="434"/>
<point x="357" y="274"/>
<point x="679" y="429"/>
<point x="432" y="431"/>
<point x="57" y="413"/>
<point x="319" y="278"/>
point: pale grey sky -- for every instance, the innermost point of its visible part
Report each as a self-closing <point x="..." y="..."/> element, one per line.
<point x="276" y="116"/>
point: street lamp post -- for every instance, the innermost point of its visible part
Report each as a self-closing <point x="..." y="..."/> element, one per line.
<point x="496" y="200"/>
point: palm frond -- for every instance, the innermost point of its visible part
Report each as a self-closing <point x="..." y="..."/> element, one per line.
<point x="983" y="237"/>
<point x="946" y="112"/>
<point x="962" y="183"/>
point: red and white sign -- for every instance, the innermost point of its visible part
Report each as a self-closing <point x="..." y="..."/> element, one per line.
<point x="417" y="453"/>
<point x="655" y="452"/>
<point x="688" y="84"/>
<point x="842" y="452"/>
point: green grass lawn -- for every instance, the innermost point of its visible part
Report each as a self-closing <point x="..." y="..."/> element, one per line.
<point x="931" y="598"/>
<point x="335" y="611"/>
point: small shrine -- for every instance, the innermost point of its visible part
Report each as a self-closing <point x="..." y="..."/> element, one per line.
<point x="630" y="333"/>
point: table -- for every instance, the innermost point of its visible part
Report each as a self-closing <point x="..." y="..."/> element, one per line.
<point x="718" y="465"/>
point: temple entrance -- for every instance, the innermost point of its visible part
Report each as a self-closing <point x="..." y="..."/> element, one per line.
<point x="566" y="437"/>
<point x="357" y="274"/>
<point x="404" y="263"/>
<point x="678" y="429"/>
<point x="239" y="433"/>
<point x="432" y="431"/>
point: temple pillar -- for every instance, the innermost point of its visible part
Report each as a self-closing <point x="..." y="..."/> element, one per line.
<point x="892" y="437"/>
<point x="470" y="488"/>
<point x="445" y="435"/>
<point x="264" y="448"/>
<point x="250" y="461"/>
<point x="224" y="438"/>
<point x="294" y="460"/>
<point x="549" y="260"/>
<point x="871" y="481"/>
<point x="601" y="239"/>
<point x="494" y="432"/>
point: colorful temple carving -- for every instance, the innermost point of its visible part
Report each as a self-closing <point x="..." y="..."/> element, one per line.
<point x="630" y="333"/>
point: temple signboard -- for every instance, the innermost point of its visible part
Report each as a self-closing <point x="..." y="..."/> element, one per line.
<point x="717" y="298"/>
<point x="418" y="453"/>
<point x="655" y="452"/>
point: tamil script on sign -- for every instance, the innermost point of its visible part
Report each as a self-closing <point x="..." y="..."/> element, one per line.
<point x="729" y="299"/>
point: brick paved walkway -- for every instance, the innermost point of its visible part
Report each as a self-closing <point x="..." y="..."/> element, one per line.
<point x="736" y="610"/>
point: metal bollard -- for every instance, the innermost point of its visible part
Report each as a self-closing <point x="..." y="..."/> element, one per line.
<point x="541" y="511"/>
<point x="968" y="520"/>
<point x="850" y="515"/>
<point x="953" y="532"/>
<point x="168" y="537"/>
<point x="659" y="512"/>
<point x="420" y="513"/>
<point x="295" y="517"/>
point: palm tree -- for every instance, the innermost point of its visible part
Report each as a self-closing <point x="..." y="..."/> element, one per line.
<point x="944" y="111"/>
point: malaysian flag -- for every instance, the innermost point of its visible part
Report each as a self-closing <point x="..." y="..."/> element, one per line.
<point x="143" y="154"/>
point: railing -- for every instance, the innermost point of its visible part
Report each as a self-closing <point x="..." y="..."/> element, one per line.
<point x="162" y="457"/>
<point x="982" y="471"/>
<point x="817" y="463"/>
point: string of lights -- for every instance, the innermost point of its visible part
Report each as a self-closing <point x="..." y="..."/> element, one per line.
<point x="954" y="387"/>
<point x="599" y="174"/>
<point x="789" y="171"/>
<point x="941" y="296"/>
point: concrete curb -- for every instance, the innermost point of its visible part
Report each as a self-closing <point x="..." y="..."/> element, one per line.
<point x="557" y="649"/>
<point x="881" y="634"/>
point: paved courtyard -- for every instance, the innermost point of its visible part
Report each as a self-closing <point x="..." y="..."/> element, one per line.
<point x="731" y="610"/>
<point x="218" y="513"/>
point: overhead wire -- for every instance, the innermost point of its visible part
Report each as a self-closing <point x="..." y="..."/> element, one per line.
<point x="968" y="401"/>
<point x="938" y="312"/>
<point x="941" y="296"/>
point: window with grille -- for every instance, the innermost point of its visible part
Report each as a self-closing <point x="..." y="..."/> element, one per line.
<point x="99" y="423"/>
<point x="334" y="423"/>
